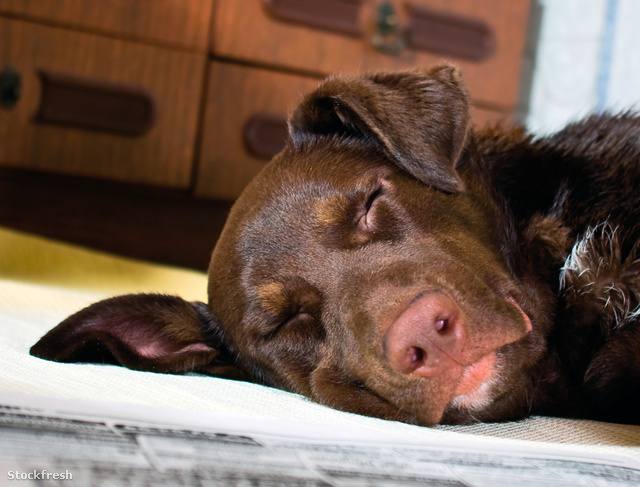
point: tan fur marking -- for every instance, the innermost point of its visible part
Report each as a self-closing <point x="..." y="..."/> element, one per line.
<point x="273" y="297"/>
<point x="331" y="210"/>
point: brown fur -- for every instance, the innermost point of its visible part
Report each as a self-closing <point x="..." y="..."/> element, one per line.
<point x="393" y="262"/>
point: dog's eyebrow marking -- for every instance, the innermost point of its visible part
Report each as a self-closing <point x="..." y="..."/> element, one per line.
<point x="273" y="297"/>
<point x="331" y="210"/>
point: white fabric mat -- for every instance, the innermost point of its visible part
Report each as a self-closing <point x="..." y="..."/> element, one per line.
<point x="29" y="309"/>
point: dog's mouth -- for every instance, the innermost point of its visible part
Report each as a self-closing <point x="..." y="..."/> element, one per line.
<point x="482" y="381"/>
<point x="476" y="376"/>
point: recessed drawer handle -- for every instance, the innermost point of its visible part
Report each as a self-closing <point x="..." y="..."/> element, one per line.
<point x="265" y="134"/>
<point x="449" y="34"/>
<point x="95" y="105"/>
<point x="335" y="15"/>
<point x="10" y="87"/>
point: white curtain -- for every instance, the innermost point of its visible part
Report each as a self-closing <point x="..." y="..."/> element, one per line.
<point x="587" y="60"/>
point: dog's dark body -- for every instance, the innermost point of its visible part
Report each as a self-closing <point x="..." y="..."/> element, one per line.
<point x="394" y="263"/>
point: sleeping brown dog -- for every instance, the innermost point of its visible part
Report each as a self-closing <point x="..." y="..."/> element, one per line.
<point x="393" y="262"/>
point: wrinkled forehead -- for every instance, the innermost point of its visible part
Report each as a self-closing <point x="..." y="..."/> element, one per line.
<point x="280" y="229"/>
<point x="286" y="215"/>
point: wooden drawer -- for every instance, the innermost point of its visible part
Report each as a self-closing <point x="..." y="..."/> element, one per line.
<point x="240" y="96"/>
<point x="183" y="23"/>
<point x="236" y="96"/>
<point x="250" y="31"/>
<point x="172" y="81"/>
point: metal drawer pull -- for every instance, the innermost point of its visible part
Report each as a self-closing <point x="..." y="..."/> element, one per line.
<point x="438" y="31"/>
<point x="389" y="37"/>
<point x="449" y="34"/>
<point x="265" y="135"/>
<point x="335" y="15"/>
<point x="95" y="105"/>
<point x="10" y="87"/>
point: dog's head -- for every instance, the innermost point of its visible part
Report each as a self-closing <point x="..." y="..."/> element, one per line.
<point x="361" y="268"/>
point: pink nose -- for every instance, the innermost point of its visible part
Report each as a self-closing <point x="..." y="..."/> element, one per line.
<point x="428" y="337"/>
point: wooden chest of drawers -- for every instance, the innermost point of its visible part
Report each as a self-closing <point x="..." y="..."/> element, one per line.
<point x="190" y="96"/>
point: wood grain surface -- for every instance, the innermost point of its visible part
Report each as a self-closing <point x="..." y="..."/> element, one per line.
<point x="234" y="94"/>
<point x="180" y="23"/>
<point x="244" y="31"/>
<point x="163" y="156"/>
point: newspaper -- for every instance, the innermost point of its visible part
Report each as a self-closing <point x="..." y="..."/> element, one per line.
<point x="45" y="441"/>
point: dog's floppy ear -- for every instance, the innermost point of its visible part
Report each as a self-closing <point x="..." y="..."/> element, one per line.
<point x="419" y="119"/>
<point x="152" y="332"/>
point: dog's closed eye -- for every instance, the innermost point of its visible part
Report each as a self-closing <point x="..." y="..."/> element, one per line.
<point x="300" y="319"/>
<point x="292" y="307"/>
<point x="366" y="215"/>
<point x="359" y="217"/>
<point x="376" y="217"/>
